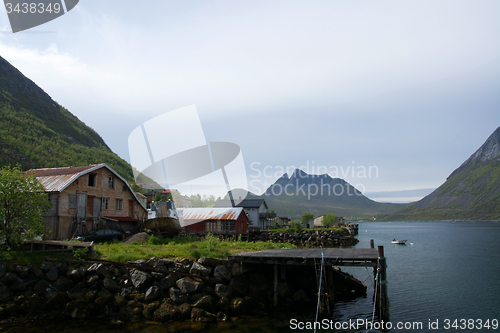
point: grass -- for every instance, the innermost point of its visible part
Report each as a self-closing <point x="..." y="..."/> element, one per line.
<point x="180" y="248"/>
<point x="172" y="248"/>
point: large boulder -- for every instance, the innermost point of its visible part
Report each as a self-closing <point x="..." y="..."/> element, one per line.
<point x="45" y="266"/>
<point x="168" y="282"/>
<point x="185" y="310"/>
<point x="167" y="312"/>
<point x="74" y="275"/>
<point x="202" y="316"/>
<point x="99" y="269"/>
<point x="188" y="285"/>
<point x="221" y="290"/>
<point x="63" y="284"/>
<point x="212" y="262"/>
<point x="206" y="303"/>
<point x="52" y="274"/>
<point x="140" y="279"/>
<point x="238" y="306"/>
<point x="150" y="309"/>
<point x="222" y="272"/>
<point x="111" y="285"/>
<point x="176" y="296"/>
<point x="153" y="293"/>
<point x="198" y="269"/>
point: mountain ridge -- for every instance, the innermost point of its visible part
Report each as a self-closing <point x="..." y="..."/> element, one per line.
<point x="321" y="194"/>
<point x="37" y="132"/>
<point x="472" y="191"/>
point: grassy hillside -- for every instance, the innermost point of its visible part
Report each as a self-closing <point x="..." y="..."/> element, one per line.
<point x="471" y="192"/>
<point x="36" y="132"/>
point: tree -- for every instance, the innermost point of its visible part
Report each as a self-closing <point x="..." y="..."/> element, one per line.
<point x="329" y="220"/>
<point x="306" y="218"/>
<point x="22" y="203"/>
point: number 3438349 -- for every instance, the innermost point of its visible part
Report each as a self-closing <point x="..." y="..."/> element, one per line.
<point x="32" y="8"/>
<point x="470" y="324"/>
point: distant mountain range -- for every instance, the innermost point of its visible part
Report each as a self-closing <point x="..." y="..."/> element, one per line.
<point x="37" y="132"/>
<point x="472" y="191"/>
<point x="302" y="193"/>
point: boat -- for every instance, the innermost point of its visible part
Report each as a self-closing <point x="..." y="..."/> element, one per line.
<point x="163" y="218"/>
<point x="402" y="242"/>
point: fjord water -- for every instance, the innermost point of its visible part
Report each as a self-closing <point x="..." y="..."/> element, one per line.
<point x="447" y="270"/>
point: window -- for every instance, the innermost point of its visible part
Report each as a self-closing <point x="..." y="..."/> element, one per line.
<point x="72" y="201"/>
<point x="227" y="226"/>
<point x="105" y="204"/>
<point x="211" y="226"/>
<point x="111" y="182"/>
<point x="124" y="188"/>
<point x="92" y="179"/>
<point x="119" y="204"/>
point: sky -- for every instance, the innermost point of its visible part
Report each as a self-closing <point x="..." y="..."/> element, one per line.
<point x="406" y="89"/>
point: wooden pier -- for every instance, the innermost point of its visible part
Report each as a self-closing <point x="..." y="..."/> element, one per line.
<point x="57" y="246"/>
<point x="357" y="257"/>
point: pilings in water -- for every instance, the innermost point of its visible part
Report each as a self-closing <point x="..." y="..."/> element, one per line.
<point x="283" y="259"/>
<point x="381" y="298"/>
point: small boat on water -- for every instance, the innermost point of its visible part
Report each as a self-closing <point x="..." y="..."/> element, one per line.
<point x="163" y="217"/>
<point x="402" y="242"/>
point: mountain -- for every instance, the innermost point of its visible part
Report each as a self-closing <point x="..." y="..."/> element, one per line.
<point x="321" y="194"/>
<point x="37" y="132"/>
<point x="472" y="191"/>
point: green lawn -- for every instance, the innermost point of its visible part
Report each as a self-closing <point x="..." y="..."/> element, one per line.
<point x="172" y="248"/>
<point x="180" y="248"/>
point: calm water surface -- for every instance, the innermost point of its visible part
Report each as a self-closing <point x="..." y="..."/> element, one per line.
<point x="447" y="270"/>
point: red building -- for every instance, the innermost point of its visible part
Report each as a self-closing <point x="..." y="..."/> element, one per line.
<point x="214" y="220"/>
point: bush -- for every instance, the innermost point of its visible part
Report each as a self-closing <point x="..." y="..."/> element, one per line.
<point x="212" y="242"/>
<point x="154" y="240"/>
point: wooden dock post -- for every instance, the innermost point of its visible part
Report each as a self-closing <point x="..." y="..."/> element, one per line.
<point x="382" y="299"/>
<point x="275" y="285"/>
<point x="372" y="246"/>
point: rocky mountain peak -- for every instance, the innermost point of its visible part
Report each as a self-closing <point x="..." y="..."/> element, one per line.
<point x="488" y="151"/>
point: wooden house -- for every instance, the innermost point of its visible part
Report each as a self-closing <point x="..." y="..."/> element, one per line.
<point x="214" y="220"/>
<point x="257" y="211"/>
<point x="86" y="198"/>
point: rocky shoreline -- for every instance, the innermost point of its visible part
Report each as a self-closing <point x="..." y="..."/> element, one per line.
<point x="309" y="238"/>
<point x="206" y="290"/>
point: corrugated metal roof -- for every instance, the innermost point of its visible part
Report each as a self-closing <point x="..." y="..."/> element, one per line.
<point x="211" y="213"/>
<point x="56" y="179"/>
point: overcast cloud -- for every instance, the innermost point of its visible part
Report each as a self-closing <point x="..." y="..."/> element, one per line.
<point x="410" y="87"/>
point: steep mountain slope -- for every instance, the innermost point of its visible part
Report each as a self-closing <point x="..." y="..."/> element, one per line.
<point x="321" y="194"/>
<point x="472" y="191"/>
<point x="36" y="132"/>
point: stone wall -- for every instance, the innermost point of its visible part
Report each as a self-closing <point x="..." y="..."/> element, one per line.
<point x="307" y="238"/>
<point x="84" y="290"/>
